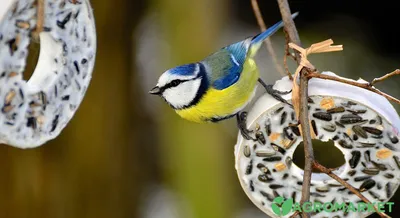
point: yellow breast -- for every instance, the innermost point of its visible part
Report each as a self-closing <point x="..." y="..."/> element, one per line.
<point x="217" y="104"/>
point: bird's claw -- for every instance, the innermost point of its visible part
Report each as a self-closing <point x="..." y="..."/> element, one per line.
<point x="275" y="93"/>
<point x="241" y="118"/>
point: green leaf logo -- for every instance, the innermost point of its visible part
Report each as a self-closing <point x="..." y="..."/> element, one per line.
<point x="281" y="207"/>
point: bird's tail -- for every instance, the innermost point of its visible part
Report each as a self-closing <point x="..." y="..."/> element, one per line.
<point x="257" y="40"/>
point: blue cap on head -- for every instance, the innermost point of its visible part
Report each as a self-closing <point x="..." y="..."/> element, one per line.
<point x="184" y="70"/>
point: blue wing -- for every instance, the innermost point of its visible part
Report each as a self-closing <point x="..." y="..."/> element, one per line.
<point x="230" y="65"/>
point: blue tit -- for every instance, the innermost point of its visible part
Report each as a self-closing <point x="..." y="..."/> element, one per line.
<point x="219" y="86"/>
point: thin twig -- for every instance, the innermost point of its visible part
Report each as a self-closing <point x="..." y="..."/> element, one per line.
<point x="268" y="42"/>
<point x="295" y="214"/>
<point x="303" y="113"/>
<point x="366" y="86"/>
<point x="380" y="79"/>
<point x="39" y="19"/>
<point x="290" y="27"/>
<point x="287" y="53"/>
<point x="327" y="171"/>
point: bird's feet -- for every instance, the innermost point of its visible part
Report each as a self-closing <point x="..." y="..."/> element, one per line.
<point x="241" y="118"/>
<point x="275" y="93"/>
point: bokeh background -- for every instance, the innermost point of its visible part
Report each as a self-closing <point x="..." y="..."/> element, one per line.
<point x="126" y="154"/>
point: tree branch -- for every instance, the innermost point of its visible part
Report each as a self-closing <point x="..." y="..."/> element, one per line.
<point x="367" y="86"/>
<point x="303" y="113"/>
<point x="39" y="19"/>
<point x="268" y="42"/>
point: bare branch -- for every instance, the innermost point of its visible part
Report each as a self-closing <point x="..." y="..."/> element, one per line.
<point x="303" y="113"/>
<point x="380" y="79"/>
<point x="39" y="19"/>
<point x="366" y="86"/>
<point x="327" y="171"/>
<point x="268" y="42"/>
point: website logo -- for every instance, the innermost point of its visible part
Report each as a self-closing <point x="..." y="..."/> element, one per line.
<point x="281" y="206"/>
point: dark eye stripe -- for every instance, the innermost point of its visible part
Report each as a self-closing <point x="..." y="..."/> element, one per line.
<point x="175" y="83"/>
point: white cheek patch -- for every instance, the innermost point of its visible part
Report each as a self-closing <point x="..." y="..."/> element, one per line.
<point x="35" y="111"/>
<point x="183" y="94"/>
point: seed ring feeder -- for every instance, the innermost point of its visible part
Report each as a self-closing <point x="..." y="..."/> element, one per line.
<point x="363" y="125"/>
<point x="35" y="111"/>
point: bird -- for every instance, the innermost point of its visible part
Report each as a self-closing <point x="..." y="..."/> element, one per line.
<point x="219" y="86"/>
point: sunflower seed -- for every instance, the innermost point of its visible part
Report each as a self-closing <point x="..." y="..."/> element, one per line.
<point x="379" y="119"/>
<point x="288" y="162"/>
<point x="372" y="130"/>
<point x="323" y="116"/>
<point x="357" y="111"/>
<point x="276" y="194"/>
<point x="322" y="189"/>
<point x="366" y="185"/>
<point x="279" y="110"/>
<point x="315" y="194"/>
<point x="351" y="172"/>
<point x="264" y="178"/>
<point x="266" y="195"/>
<point x="367" y="156"/>
<point x="397" y="161"/>
<point x="251" y="185"/>
<point x="387" y="145"/>
<point x="278" y="148"/>
<point x="379" y="166"/>
<point x="371" y="171"/>
<point x="377" y="136"/>
<point x="361" y="178"/>
<point x="287" y="134"/>
<point x="265" y="153"/>
<point x="285" y="176"/>
<point x="272" y="159"/>
<point x="339" y="124"/>
<point x="283" y="117"/>
<point x="329" y="128"/>
<point x="347" y="136"/>
<point x="249" y="168"/>
<point x="295" y="130"/>
<point x="393" y="139"/>
<point x="388" y="189"/>
<point x="309" y="100"/>
<point x="260" y="137"/>
<point x="360" y="131"/>
<point x="293" y="116"/>
<point x="336" y="137"/>
<point x="372" y="121"/>
<point x="335" y="110"/>
<point x="246" y="151"/>
<point x="294" y="196"/>
<point x="367" y="145"/>
<point x="268" y="129"/>
<point x="275" y="186"/>
<point x="314" y="126"/>
<point x="355" y="159"/>
<point x="355" y="137"/>
<point x="388" y="175"/>
<point x="344" y="144"/>
<point x="350" y="119"/>
<point x="373" y="194"/>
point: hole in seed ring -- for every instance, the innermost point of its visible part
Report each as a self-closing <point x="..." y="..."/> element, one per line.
<point x="334" y="160"/>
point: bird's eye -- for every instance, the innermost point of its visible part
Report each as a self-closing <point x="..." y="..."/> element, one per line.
<point x="175" y="83"/>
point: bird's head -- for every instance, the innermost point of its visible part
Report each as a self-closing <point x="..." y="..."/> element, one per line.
<point x="183" y="86"/>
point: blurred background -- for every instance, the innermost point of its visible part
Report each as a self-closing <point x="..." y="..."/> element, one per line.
<point x="127" y="154"/>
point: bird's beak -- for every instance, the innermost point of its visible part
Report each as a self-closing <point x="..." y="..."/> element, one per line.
<point x="155" y="91"/>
